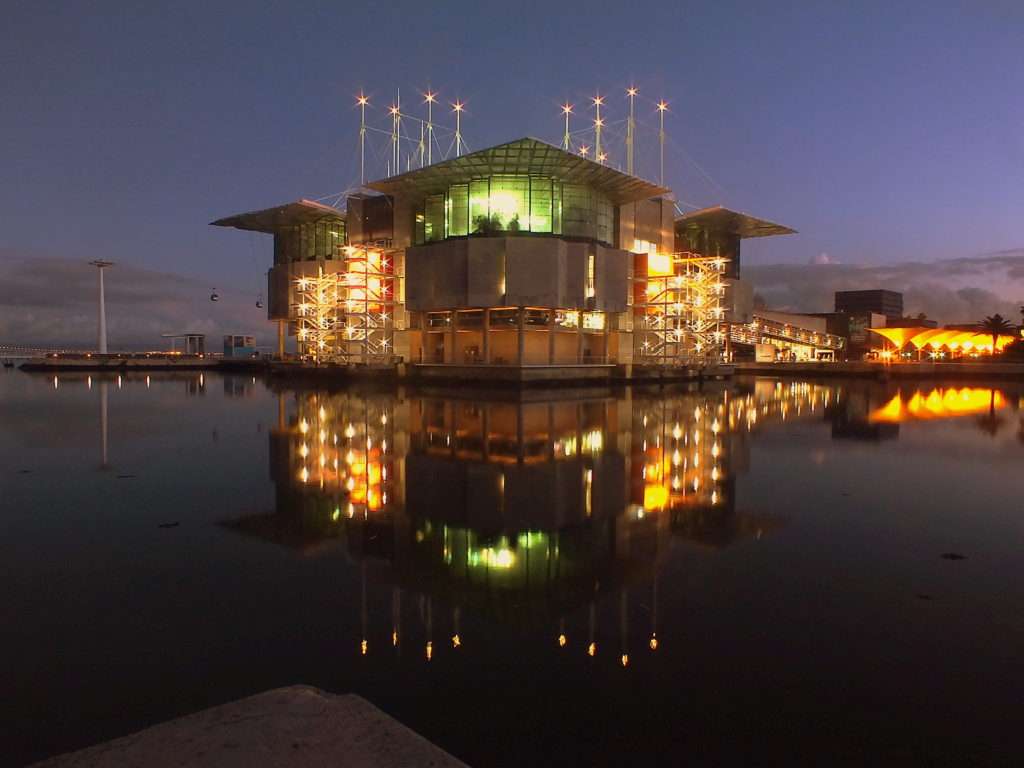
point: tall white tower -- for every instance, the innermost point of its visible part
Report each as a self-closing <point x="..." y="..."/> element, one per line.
<point x="102" y="330"/>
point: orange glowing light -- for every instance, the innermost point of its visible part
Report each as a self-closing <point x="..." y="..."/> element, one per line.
<point x="655" y="497"/>
<point x="659" y="265"/>
<point x="662" y="105"/>
<point x="938" y="404"/>
<point x="567" y="109"/>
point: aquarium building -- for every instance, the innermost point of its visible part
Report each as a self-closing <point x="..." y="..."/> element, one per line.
<point x="521" y="260"/>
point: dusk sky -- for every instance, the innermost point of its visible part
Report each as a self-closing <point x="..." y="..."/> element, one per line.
<point x="883" y="132"/>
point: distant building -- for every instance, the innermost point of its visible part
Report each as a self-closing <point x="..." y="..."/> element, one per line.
<point x="785" y="337"/>
<point x="239" y="346"/>
<point x="882" y="302"/>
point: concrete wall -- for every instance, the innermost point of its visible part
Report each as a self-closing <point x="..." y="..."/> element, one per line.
<point x="652" y="220"/>
<point x="513" y="271"/>
<point x="504" y="347"/>
<point x="739" y="301"/>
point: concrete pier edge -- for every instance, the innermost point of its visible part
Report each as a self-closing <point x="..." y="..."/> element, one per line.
<point x="284" y="727"/>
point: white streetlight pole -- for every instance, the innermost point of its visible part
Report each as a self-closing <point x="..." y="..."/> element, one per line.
<point x="102" y="329"/>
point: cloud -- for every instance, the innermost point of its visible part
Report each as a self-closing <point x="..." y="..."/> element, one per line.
<point x="52" y="302"/>
<point x="822" y="259"/>
<point x="951" y="291"/>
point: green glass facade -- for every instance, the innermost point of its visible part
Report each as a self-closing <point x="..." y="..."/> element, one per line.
<point x="310" y="241"/>
<point x="512" y="204"/>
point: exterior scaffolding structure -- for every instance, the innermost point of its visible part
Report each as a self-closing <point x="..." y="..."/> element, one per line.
<point x="348" y="316"/>
<point x="678" y="312"/>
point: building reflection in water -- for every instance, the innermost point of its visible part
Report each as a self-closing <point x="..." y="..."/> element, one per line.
<point x="536" y="513"/>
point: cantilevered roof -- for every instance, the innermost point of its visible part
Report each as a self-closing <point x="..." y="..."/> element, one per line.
<point x="522" y="157"/>
<point x="936" y="338"/>
<point x="273" y="219"/>
<point x="733" y="222"/>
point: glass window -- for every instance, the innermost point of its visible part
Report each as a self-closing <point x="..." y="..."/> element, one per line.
<point x="577" y="211"/>
<point x="433" y="213"/>
<point x="509" y="202"/>
<point x="556" y="208"/>
<point x="605" y="219"/>
<point x="478" y="213"/>
<point x="458" y="210"/>
<point x="540" y="204"/>
<point x="319" y="238"/>
<point x="418" y="229"/>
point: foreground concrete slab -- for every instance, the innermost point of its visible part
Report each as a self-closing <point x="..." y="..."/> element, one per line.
<point x="295" y="726"/>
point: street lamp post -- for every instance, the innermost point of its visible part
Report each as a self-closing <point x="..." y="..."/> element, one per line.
<point x="102" y="329"/>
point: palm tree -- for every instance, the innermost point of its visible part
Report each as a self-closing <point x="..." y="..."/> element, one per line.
<point x="997" y="325"/>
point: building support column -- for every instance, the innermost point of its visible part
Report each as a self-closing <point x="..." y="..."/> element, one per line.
<point x="281" y="324"/>
<point x="551" y="336"/>
<point x="579" y="338"/>
<point x="520" y="340"/>
<point x="607" y="338"/>
<point x="454" y="336"/>
<point x="487" y="336"/>
<point x="424" y="338"/>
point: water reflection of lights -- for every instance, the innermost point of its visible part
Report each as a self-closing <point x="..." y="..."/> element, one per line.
<point x="938" y="403"/>
<point x="526" y="512"/>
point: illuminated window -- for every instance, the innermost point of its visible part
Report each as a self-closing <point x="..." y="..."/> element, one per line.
<point x="433" y="225"/>
<point x="591" y="274"/>
<point x="458" y="210"/>
<point x="511" y="204"/>
<point x="540" y="204"/>
<point x="479" y="189"/>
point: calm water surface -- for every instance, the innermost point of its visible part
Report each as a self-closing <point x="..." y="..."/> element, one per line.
<point x="769" y="571"/>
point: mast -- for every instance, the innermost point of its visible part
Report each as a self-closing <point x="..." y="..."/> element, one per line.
<point x="662" y="106"/>
<point x="630" y="130"/>
<point x="362" y="101"/>
<point x="457" y="108"/>
<point x="393" y="110"/>
<point x="598" y="125"/>
<point x="566" y="111"/>
<point x="430" y="97"/>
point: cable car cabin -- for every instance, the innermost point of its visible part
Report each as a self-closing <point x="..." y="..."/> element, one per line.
<point x="240" y="346"/>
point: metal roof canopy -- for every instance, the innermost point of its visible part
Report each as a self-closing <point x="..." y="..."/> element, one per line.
<point x="527" y="156"/>
<point x="733" y="222"/>
<point x="271" y="220"/>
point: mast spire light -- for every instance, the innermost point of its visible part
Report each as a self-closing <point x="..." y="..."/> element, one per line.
<point x="598" y="100"/>
<point x="566" y="111"/>
<point x="362" y="101"/>
<point x="457" y="108"/>
<point x="631" y="92"/>
<point x="662" y="108"/>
